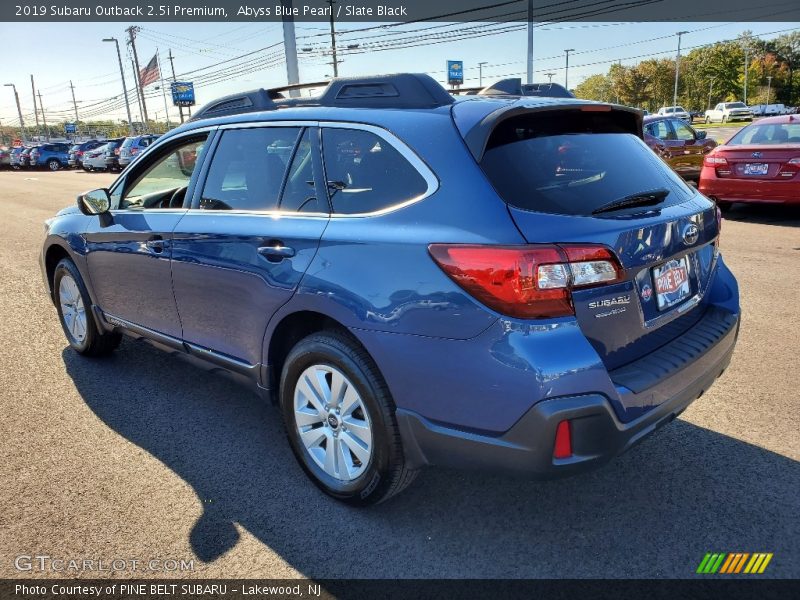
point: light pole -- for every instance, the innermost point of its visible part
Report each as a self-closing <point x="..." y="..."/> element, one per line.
<point x="745" y="74"/>
<point x="769" y="89"/>
<point x="677" y="68"/>
<point x="19" y="110"/>
<point x="566" y="72"/>
<point x="124" y="87"/>
<point x="480" y="73"/>
<point x="710" y="87"/>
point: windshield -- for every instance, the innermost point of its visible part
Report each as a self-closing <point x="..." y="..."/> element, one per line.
<point x="573" y="171"/>
<point x="776" y="133"/>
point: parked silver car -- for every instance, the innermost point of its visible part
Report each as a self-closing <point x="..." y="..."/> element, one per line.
<point x="95" y="159"/>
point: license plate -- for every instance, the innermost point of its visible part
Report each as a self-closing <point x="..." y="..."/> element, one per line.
<point x="756" y="168"/>
<point x="671" y="282"/>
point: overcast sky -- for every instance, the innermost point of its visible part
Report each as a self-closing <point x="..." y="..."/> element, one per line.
<point x="92" y="64"/>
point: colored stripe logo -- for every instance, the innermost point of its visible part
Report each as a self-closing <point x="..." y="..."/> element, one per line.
<point x="734" y="562"/>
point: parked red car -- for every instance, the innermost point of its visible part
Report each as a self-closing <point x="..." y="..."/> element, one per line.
<point x="680" y="145"/>
<point x="760" y="164"/>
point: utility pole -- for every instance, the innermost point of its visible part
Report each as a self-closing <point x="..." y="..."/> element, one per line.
<point x="677" y="68"/>
<point x="745" y="74"/>
<point x="172" y="65"/>
<point x="529" y="79"/>
<point x="566" y="73"/>
<point x="333" y="41"/>
<point x="480" y="73"/>
<point x="132" y="31"/>
<point x="136" y="87"/>
<point x="549" y="77"/>
<point x="44" y="120"/>
<point x="124" y="87"/>
<point x="163" y="89"/>
<point x="75" y="105"/>
<point x="290" y="46"/>
<point x="769" y="89"/>
<point x="19" y="110"/>
<point x="35" y="110"/>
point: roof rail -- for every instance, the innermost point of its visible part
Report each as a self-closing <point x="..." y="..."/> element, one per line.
<point x="515" y="87"/>
<point x="400" y="90"/>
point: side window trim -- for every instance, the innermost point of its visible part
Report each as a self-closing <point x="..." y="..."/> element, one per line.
<point x="431" y="180"/>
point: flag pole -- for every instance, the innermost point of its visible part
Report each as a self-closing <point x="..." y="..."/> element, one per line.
<point x="163" y="91"/>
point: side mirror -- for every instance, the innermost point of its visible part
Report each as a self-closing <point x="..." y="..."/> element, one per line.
<point x="96" y="202"/>
<point x="701" y="135"/>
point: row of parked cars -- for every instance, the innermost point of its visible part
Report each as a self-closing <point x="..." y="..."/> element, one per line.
<point x="92" y="155"/>
<point x="759" y="164"/>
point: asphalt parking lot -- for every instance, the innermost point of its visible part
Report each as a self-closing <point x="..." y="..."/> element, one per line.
<point x="143" y="455"/>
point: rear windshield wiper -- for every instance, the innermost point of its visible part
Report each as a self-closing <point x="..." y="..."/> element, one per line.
<point x="648" y="198"/>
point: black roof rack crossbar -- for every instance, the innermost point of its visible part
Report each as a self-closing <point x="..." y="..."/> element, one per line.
<point x="400" y="90"/>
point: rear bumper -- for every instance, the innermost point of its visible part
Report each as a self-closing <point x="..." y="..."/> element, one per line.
<point x="749" y="191"/>
<point x="597" y="434"/>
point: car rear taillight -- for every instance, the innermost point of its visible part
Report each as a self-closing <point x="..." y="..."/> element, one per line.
<point x="116" y="151"/>
<point x="133" y="150"/>
<point x="715" y="161"/>
<point x="527" y="282"/>
<point x="790" y="168"/>
<point x="720" y="163"/>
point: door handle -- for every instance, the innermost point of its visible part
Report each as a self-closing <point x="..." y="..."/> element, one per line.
<point x="155" y="244"/>
<point x="276" y="252"/>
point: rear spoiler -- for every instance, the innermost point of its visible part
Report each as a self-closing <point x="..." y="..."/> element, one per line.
<point x="478" y="136"/>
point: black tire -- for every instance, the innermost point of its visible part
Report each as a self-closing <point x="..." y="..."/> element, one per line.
<point x="386" y="473"/>
<point x="95" y="342"/>
<point x="724" y="206"/>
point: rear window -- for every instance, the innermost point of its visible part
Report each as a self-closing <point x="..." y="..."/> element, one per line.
<point x="573" y="163"/>
<point x="128" y="142"/>
<point x="778" y="133"/>
<point x="736" y="105"/>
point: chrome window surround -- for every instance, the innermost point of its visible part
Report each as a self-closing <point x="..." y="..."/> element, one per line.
<point x="431" y="181"/>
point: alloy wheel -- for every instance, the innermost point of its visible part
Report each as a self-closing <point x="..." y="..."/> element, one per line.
<point x="332" y="422"/>
<point x="73" y="310"/>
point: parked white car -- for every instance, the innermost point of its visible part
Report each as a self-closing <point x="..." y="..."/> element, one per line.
<point x="729" y="111"/>
<point x="675" y="111"/>
<point x="95" y="159"/>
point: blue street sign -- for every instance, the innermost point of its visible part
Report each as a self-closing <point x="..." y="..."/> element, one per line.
<point x="455" y="72"/>
<point x="70" y="127"/>
<point x="183" y="93"/>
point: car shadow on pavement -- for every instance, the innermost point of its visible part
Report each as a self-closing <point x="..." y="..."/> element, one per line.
<point x="653" y="512"/>
<point x="765" y="214"/>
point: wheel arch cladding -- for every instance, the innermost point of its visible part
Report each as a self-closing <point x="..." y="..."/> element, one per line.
<point x="288" y="331"/>
<point x="54" y="255"/>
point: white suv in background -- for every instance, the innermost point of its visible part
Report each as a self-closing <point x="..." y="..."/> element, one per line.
<point x="675" y="111"/>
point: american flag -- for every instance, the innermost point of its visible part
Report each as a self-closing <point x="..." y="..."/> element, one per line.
<point x="150" y="73"/>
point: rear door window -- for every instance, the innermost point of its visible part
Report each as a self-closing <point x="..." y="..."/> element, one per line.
<point x="572" y="163"/>
<point x="659" y="129"/>
<point x="365" y="173"/>
<point x="248" y="168"/>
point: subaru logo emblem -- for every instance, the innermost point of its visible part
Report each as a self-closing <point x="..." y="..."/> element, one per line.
<point x="756" y="155"/>
<point x="690" y="234"/>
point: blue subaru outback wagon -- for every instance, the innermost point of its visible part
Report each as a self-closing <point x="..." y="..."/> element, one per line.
<point x="494" y="282"/>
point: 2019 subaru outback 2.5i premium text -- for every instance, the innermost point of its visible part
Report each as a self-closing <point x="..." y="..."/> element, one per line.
<point x="501" y="283"/>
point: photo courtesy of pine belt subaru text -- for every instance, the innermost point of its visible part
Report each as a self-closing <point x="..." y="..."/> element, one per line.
<point x="493" y="282"/>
